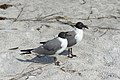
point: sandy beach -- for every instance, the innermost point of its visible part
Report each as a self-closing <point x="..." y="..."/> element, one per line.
<point x="24" y="23"/>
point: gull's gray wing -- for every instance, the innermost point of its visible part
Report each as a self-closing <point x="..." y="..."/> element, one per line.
<point x="52" y="45"/>
<point x="49" y="47"/>
<point x="71" y="39"/>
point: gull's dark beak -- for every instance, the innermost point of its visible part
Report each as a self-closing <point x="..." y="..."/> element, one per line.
<point x="84" y="26"/>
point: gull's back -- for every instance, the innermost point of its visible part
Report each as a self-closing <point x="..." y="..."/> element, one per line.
<point x="49" y="48"/>
<point x="71" y="39"/>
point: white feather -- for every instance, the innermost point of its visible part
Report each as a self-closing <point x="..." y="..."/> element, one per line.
<point x="79" y="34"/>
<point x="64" y="44"/>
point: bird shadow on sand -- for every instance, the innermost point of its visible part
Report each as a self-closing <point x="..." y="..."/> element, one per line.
<point x="40" y="59"/>
<point x="43" y="59"/>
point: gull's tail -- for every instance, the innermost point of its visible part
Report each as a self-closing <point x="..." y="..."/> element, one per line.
<point x="42" y="42"/>
<point x="27" y="51"/>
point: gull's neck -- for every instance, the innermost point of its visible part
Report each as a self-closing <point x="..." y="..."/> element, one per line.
<point x="79" y="34"/>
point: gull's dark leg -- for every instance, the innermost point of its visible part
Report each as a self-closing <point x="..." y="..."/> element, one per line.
<point x="57" y="63"/>
<point x="72" y="53"/>
<point x="69" y="53"/>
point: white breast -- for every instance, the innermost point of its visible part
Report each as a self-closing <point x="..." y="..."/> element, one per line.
<point x="64" y="44"/>
<point x="79" y="34"/>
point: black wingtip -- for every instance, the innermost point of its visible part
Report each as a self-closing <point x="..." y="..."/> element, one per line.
<point x="25" y="53"/>
<point x="42" y="42"/>
<point x="28" y="51"/>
